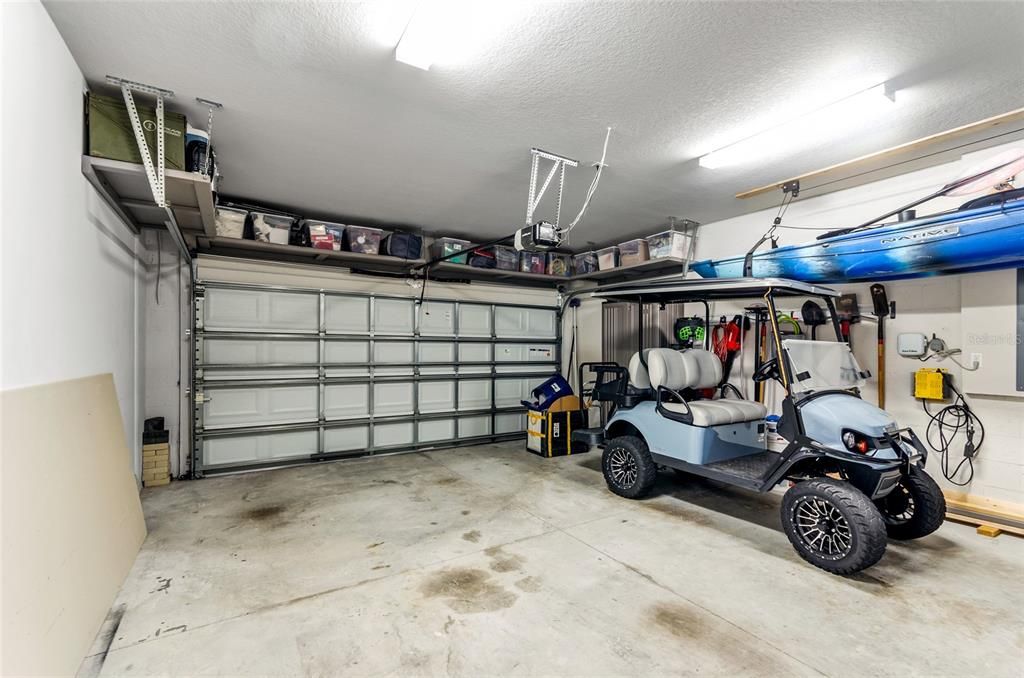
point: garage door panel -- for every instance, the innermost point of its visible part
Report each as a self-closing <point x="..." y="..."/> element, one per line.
<point x="474" y="394"/>
<point x="474" y="352"/>
<point x="259" y="405"/>
<point x="399" y="434"/>
<point x="392" y="398"/>
<point x="511" y="392"/>
<point x="524" y="353"/>
<point x="346" y="315"/>
<point x="435" y="430"/>
<point x="509" y="423"/>
<point x="436" y="396"/>
<point x="526" y="323"/>
<point x="393" y="316"/>
<point x="257" y="374"/>
<point x="474" y="321"/>
<point x="437" y="319"/>
<point x="473" y="427"/>
<point x="341" y="351"/>
<point x="437" y="352"/>
<point x="346" y="401"/>
<point x="346" y="439"/>
<point x="262" y="447"/>
<point x="394" y="352"/>
<point x="225" y="351"/>
<point x="260" y="310"/>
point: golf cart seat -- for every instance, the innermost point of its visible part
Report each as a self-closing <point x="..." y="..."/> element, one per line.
<point x="639" y="378"/>
<point x="670" y="371"/>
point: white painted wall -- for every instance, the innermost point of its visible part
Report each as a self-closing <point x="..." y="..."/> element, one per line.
<point x="974" y="312"/>
<point x="70" y="302"/>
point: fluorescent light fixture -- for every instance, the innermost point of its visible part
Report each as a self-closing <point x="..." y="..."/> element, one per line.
<point x="821" y="125"/>
<point x="431" y="33"/>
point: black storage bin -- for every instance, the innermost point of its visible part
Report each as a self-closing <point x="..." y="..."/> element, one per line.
<point x="402" y="244"/>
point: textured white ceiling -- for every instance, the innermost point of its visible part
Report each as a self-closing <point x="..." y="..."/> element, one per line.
<point x="319" y="116"/>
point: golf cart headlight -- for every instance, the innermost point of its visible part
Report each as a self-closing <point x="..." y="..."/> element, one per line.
<point x="856" y="442"/>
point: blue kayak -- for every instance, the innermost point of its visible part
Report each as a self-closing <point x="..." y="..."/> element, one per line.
<point x="960" y="241"/>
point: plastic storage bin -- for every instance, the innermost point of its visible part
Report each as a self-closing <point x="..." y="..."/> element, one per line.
<point x="668" y="244"/>
<point x="362" y="239"/>
<point x="442" y="247"/>
<point x="273" y="228"/>
<point x="633" y="252"/>
<point x="324" y="235"/>
<point x="608" y="258"/>
<point x="585" y="262"/>
<point x="230" y="222"/>
<point x="559" y="264"/>
<point x="533" y="262"/>
<point x="506" y="258"/>
<point x="483" y="258"/>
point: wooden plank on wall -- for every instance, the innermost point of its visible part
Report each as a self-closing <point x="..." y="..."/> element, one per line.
<point x="71" y="518"/>
<point x="1006" y="126"/>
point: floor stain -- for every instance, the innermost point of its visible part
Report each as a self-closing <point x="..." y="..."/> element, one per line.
<point x="680" y="620"/>
<point x="447" y="481"/>
<point x="380" y="567"/>
<point x="263" y="513"/>
<point x="466" y="512"/>
<point x="502" y="561"/>
<point x="473" y="536"/>
<point x="468" y="590"/>
<point x="374" y="545"/>
<point x="529" y="584"/>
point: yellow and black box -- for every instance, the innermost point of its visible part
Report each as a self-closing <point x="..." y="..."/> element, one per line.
<point x="549" y="432"/>
<point x="930" y="384"/>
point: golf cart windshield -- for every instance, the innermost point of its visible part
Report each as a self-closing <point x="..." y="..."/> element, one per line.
<point x="822" y="365"/>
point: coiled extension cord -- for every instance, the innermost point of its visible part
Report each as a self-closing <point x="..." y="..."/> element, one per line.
<point x="947" y="424"/>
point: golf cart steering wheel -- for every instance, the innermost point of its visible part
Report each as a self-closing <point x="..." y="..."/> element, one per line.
<point x="769" y="369"/>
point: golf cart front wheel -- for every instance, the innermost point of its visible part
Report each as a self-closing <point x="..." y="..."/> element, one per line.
<point x="833" y="525"/>
<point x="914" y="508"/>
<point x="628" y="467"/>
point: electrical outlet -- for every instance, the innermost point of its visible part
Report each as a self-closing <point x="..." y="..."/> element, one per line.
<point x="976" y="360"/>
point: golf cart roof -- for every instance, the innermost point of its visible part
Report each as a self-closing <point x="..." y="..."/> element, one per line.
<point x="676" y="289"/>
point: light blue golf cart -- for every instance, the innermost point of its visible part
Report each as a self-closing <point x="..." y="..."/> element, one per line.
<point x="856" y="476"/>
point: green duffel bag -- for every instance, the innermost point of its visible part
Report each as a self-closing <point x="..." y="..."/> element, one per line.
<point x="110" y="132"/>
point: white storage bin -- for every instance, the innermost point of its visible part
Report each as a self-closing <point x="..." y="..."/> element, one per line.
<point x="230" y="222"/>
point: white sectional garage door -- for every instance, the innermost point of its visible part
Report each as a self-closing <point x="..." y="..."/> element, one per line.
<point x="294" y="374"/>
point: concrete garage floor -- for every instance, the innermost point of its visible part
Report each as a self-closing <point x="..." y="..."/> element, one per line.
<point x="487" y="561"/>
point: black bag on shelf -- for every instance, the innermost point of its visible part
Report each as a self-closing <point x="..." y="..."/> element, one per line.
<point x="402" y="244"/>
<point x="299" y="234"/>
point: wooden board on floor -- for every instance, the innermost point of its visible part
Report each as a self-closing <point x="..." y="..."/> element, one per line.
<point x="71" y="518"/>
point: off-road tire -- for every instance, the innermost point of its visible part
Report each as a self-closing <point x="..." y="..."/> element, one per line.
<point x="628" y="467"/>
<point x="926" y="504"/>
<point x="854" y="520"/>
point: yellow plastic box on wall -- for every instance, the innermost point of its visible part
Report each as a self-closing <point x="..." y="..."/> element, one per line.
<point x="930" y="384"/>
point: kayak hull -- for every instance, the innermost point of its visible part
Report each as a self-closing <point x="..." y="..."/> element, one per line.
<point x="985" y="238"/>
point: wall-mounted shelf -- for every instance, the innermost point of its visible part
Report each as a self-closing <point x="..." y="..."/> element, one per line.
<point x="444" y="271"/>
<point x="126" y="189"/>
<point x="266" y="250"/>
<point x="451" y="271"/>
<point x="633" y="271"/>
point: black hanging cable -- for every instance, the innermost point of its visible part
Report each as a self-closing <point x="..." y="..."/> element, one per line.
<point x="947" y="423"/>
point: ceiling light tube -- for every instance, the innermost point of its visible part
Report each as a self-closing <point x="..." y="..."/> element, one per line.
<point x="817" y="126"/>
<point x="430" y="26"/>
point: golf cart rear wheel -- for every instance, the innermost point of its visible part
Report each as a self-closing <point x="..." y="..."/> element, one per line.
<point x="833" y="525"/>
<point x="915" y="508"/>
<point x="628" y="467"/>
